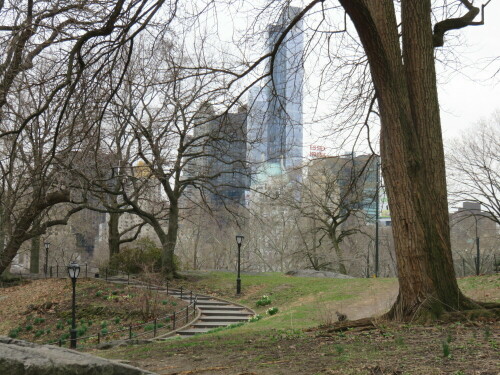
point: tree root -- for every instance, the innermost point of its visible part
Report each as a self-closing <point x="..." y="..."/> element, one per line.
<point x="473" y="315"/>
<point x="359" y="325"/>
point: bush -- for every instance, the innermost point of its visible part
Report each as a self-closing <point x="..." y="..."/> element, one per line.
<point x="39" y="320"/>
<point x="39" y="333"/>
<point x="272" y="310"/>
<point x="255" y="318"/>
<point x="265" y="300"/>
<point x="14" y="332"/>
<point x="146" y="253"/>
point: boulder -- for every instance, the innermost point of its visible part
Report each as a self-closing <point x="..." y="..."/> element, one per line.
<point x="19" y="357"/>
<point x="314" y="273"/>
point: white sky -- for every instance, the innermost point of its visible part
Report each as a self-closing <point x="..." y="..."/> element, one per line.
<point x="473" y="93"/>
<point x="469" y="90"/>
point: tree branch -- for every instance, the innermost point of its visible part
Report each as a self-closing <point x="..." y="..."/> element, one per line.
<point x="442" y="27"/>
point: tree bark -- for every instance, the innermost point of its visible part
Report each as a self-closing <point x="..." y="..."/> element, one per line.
<point x="167" y="260"/>
<point x="23" y="225"/>
<point x="412" y="152"/>
<point x="113" y="234"/>
<point x="35" y="255"/>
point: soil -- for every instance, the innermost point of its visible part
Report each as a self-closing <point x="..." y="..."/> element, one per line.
<point x="40" y="310"/>
<point x="459" y="349"/>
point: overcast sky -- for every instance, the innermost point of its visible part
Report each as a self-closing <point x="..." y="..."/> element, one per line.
<point x="473" y="92"/>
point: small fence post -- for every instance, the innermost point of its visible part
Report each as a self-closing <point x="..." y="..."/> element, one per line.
<point x="60" y="342"/>
<point x="190" y="296"/>
<point x="154" y="328"/>
<point x="463" y="266"/>
<point x="173" y="320"/>
<point x="86" y="269"/>
<point x="167" y="287"/>
<point x="50" y="271"/>
<point x="130" y="332"/>
<point x="187" y="313"/>
<point x="57" y="270"/>
<point x="106" y="273"/>
<point x="181" y="292"/>
<point x="128" y="277"/>
<point x="98" y="337"/>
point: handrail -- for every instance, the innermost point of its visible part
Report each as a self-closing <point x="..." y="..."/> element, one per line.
<point x="172" y="317"/>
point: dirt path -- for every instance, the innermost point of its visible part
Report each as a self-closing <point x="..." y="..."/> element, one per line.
<point x="369" y="303"/>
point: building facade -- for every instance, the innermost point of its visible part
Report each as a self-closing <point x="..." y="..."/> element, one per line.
<point x="220" y="163"/>
<point x="275" y="121"/>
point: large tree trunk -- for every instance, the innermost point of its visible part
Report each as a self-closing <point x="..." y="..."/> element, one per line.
<point x="113" y="234"/>
<point x="35" y="255"/>
<point x="23" y="225"/>
<point x="169" y="241"/>
<point x="411" y="151"/>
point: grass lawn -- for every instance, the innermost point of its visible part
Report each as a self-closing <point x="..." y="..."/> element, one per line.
<point x="290" y="342"/>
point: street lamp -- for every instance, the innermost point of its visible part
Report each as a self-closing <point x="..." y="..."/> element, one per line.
<point x="46" y="268"/>
<point x="239" y="240"/>
<point x="73" y="272"/>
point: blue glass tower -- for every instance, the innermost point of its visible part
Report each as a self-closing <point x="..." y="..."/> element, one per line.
<point x="284" y="93"/>
<point x="275" y="125"/>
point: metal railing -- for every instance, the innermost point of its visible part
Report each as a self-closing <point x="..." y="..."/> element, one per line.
<point x="160" y="326"/>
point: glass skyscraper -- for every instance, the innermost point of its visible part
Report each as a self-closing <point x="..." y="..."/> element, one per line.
<point x="275" y="125"/>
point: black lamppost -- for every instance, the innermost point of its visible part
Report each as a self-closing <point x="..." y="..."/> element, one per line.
<point x="46" y="267"/>
<point x="73" y="271"/>
<point x="478" y="253"/>
<point x="377" y="218"/>
<point x="239" y="240"/>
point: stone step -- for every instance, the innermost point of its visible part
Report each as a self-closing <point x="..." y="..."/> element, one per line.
<point x="193" y="331"/>
<point x="229" y="319"/>
<point x="242" y="313"/>
<point x="199" y="299"/>
<point x="212" y="324"/>
<point x="212" y="303"/>
<point x="203" y="307"/>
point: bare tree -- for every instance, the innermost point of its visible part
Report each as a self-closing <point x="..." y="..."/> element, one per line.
<point x="335" y="197"/>
<point x="399" y="41"/>
<point x="165" y="99"/>
<point x="474" y="168"/>
<point x="55" y="57"/>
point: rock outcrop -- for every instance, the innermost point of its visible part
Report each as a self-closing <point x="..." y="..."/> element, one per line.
<point x="313" y="273"/>
<point x="19" y="357"/>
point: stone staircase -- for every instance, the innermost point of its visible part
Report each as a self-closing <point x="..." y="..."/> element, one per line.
<point x="214" y="313"/>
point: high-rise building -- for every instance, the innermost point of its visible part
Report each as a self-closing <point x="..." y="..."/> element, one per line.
<point x="220" y="162"/>
<point x="275" y="124"/>
<point x="284" y="92"/>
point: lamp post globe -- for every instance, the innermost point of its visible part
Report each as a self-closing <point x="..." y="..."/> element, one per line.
<point x="73" y="272"/>
<point x="239" y="241"/>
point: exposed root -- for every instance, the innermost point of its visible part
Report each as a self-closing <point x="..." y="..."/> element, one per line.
<point x="474" y="315"/>
<point x="432" y="309"/>
<point x="364" y="324"/>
